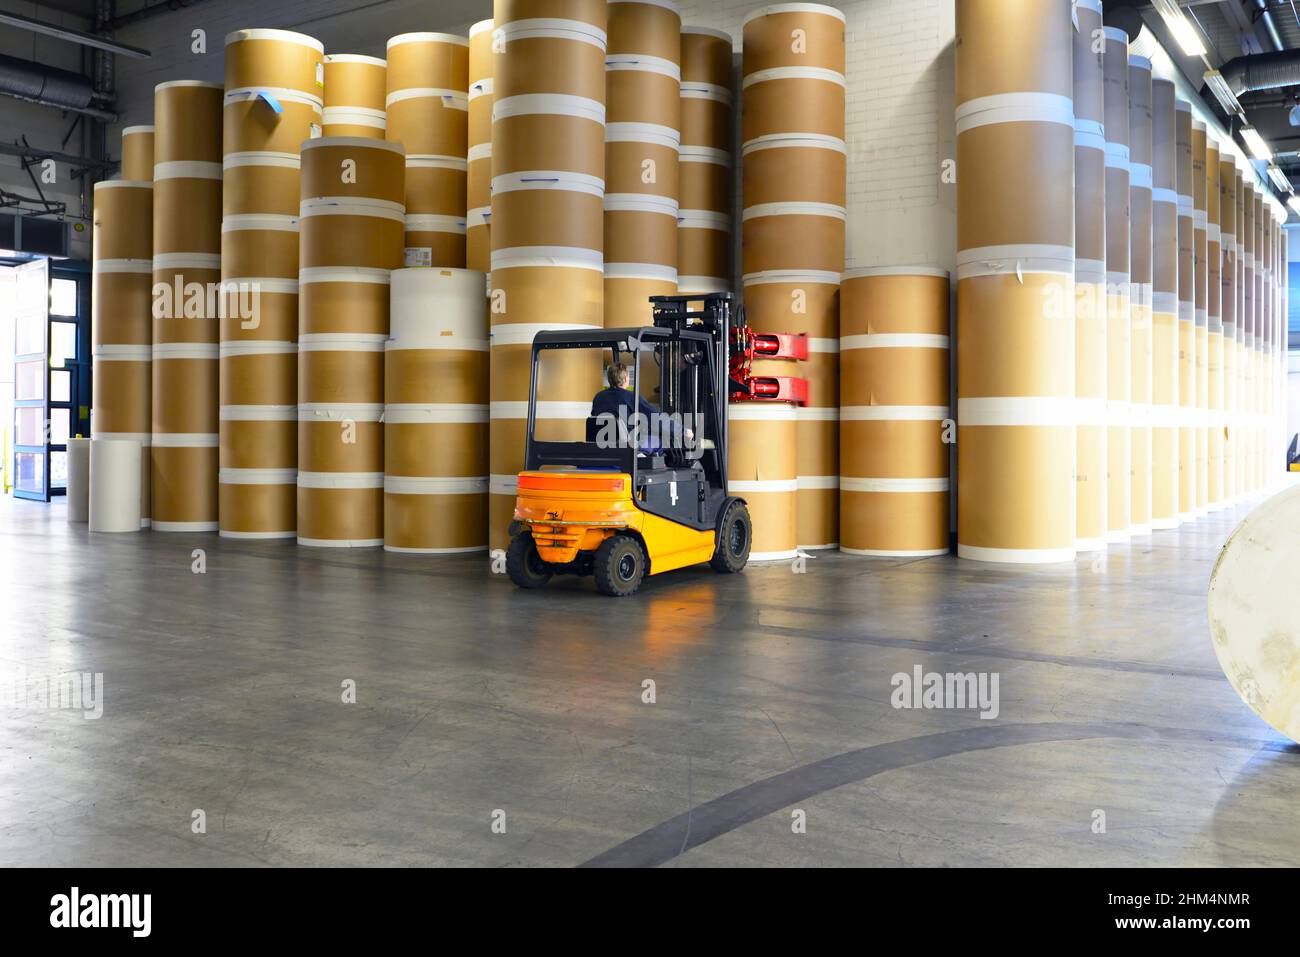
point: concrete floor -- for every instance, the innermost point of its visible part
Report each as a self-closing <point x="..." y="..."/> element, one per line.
<point x="222" y="693"/>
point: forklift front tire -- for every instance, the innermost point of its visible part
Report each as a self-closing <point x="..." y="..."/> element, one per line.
<point x="735" y="535"/>
<point x="524" y="566"/>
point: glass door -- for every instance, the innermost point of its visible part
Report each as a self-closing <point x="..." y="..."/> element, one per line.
<point x="32" y="381"/>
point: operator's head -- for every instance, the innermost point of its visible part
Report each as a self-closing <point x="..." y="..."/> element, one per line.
<point x="618" y="375"/>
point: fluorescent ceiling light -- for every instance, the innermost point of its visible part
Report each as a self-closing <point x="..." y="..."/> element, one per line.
<point x="1279" y="179"/>
<point x="1179" y="26"/>
<point x="1223" y="93"/>
<point x="1255" y="143"/>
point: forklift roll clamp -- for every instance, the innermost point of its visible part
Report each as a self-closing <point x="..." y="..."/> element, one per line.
<point x="626" y="509"/>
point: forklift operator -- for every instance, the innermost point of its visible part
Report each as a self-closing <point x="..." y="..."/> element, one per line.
<point x="608" y="401"/>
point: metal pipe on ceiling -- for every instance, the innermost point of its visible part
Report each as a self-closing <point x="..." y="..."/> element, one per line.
<point x="73" y="36"/>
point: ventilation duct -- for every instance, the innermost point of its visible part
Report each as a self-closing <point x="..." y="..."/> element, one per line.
<point x="1262" y="71"/>
<point x="44" y="84"/>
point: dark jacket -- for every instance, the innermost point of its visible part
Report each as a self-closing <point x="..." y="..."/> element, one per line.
<point x="609" y="401"/>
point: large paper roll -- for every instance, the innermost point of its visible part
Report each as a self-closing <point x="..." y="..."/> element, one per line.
<point x="1252" y="619"/>
<point x="115" y="485"/>
<point x="78" y="489"/>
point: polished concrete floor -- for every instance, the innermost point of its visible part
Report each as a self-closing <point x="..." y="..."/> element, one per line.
<point x="477" y="703"/>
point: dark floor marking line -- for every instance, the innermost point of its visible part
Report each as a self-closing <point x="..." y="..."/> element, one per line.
<point x="754" y="801"/>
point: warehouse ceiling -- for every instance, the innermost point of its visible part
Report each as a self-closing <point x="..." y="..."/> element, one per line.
<point x="1233" y="28"/>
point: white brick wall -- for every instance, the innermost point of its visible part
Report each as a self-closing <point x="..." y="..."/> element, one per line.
<point x="899" y="125"/>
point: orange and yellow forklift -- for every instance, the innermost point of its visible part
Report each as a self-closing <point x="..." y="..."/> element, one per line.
<point x="646" y="491"/>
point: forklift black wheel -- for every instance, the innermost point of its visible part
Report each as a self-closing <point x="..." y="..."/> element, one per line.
<point x="619" y="566"/>
<point x="735" y="535"/>
<point x="524" y="566"/>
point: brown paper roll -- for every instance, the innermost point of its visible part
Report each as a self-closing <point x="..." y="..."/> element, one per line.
<point x="443" y="248"/>
<point x="121" y="396"/>
<point x="340" y="515"/>
<point x="769" y="107"/>
<point x="354" y="377"/>
<point x="792" y="170"/>
<point x="259" y="443"/>
<point x="366" y="236"/>
<point x="184" y="482"/>
<point x="648" y="28"/>
<point x="187" y="118"/>
<point x="258" y="510"/>
<point x="436" y="189"/>
<point x="348" y="305"/>
<point x="273" y="313"/>
<point x="527" y="293"/>
<point x="627" y="166"/>
<point x="436" y="449"/>
<point x="1010" y="341"/>
<point x="429" y="376"/>
<point x="323" y="444"/>
<point x="1040" y="32"/>
<point x="642" y="96"/>
<point x="354" y="168"/>
<point x="435" y="523"/>
<point x="548" y="141"/>
<point x="792" y="241"/>
<point x="268" y="378"/>
<point x="259" y="252"/>
<point x="355" y="81"/>
<point x="265" y="187"/>
<point x="894" y="522"/>
<point x="185" y="396"/>
<point x="122" y="210"/>
<point x="563" y="376"/>
<point x="999" y="469"/>
<point x="137" y="153"/>
<point x="1001" y="165"/>
<point x="893" y="448"/>
<point x="120" y="304"/>
<point x="810" y="35"/>
<point x="274" y="58"/>
<point x="187" y="216"/>
<point x="251" y="125"/>
<point x="428" y="61"/>
<point x="190" y="314"/>
<point x="627" y="301"/>
<point x="548" y="64"/>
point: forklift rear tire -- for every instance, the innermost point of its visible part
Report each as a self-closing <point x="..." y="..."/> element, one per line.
<point x="524" y="566"/>
<point x="735" y="535"/>
<point x="620" y="566"/>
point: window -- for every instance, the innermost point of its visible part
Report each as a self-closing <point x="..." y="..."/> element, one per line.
<point x="63" y="298"/>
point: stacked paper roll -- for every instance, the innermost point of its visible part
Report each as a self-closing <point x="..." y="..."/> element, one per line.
<point x="1200" y="348"/>
<point x="121" y="327"/>
<point x="436" y="413"/>
<point x="704" y="223"/>
<point x="478" y="243"/>
<point x="1230" y="295"/>
<point x="1015" y="286"/>
<point x="1183" y="130"/>
<point x="893" y="402"/>
<point x="1249" y="332"/>
<point x="137" y="153"/>
<point x="187" y="306"/>
<point x="1140" y="295"/>
<point x="274" y="88"/>
<point x="1164" y="309"/>
<point x="1119" y="304"/>
<point x="352" y="222"/>
<point x="355" y="88"/>
<point x="793" y="234"/>
<point x="1236" y="429"/>
<point x="642" y="140"/>
<point x="1211" y="422"/>
<point x="1089" y="280"/>
<point x="548" y="187"/>
<point x="428" y="109"/>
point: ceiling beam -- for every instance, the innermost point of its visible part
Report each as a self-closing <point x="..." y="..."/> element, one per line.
<point x="73" y="36"/>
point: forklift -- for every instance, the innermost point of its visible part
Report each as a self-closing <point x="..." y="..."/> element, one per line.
<point x="640" y="497"/>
